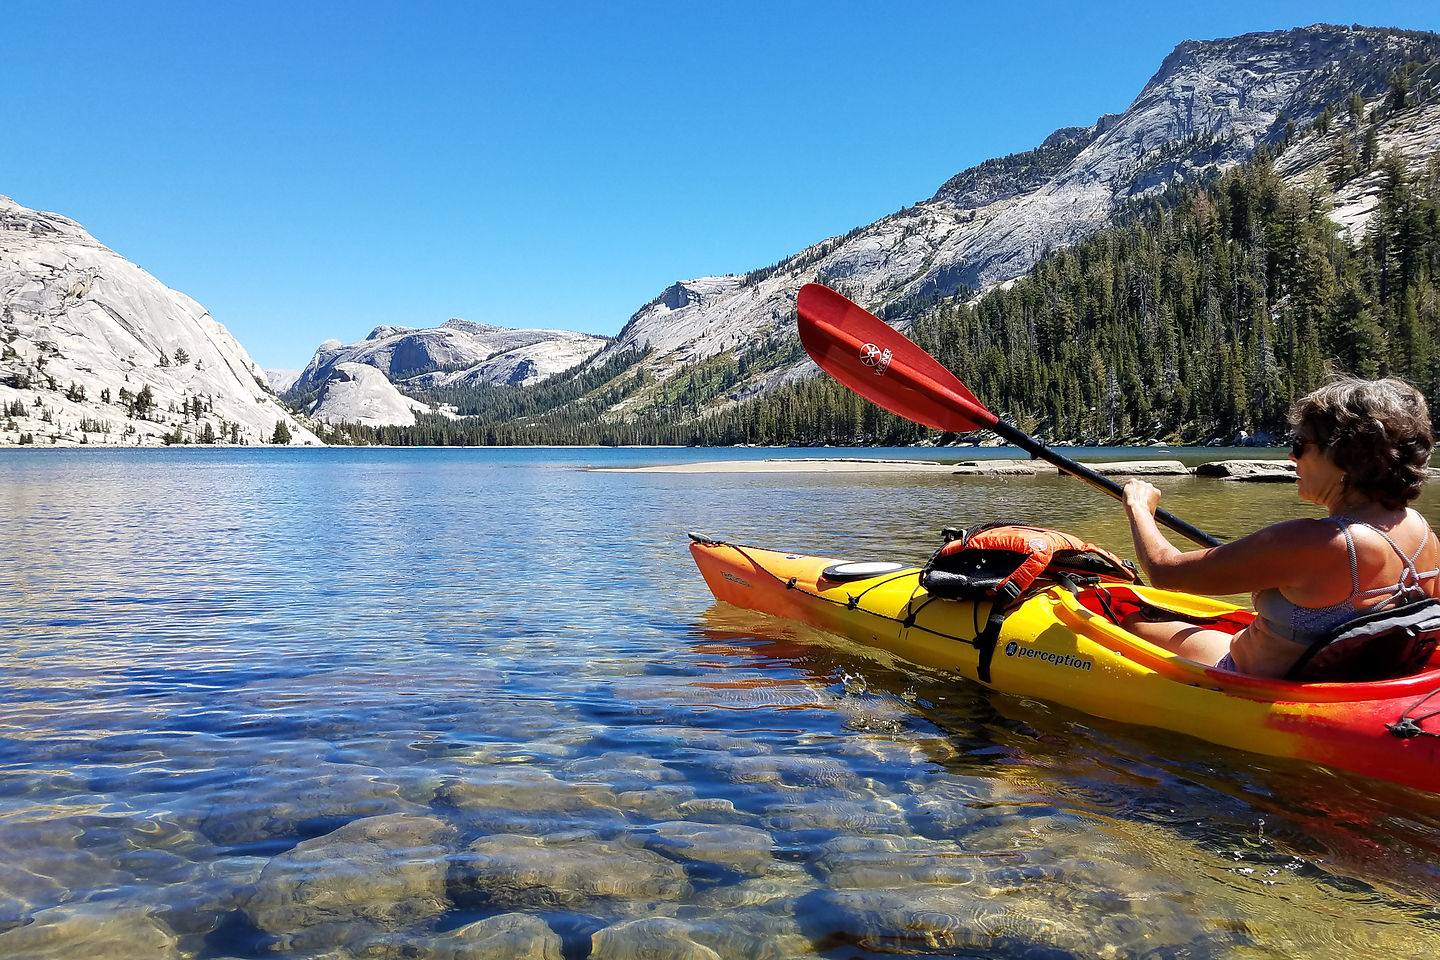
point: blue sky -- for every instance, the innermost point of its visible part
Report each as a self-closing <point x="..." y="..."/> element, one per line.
<point x="309" y="170"/>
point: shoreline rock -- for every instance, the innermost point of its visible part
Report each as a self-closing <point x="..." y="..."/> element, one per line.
<point x="1141" y="468"/>
<point x="1258" y="471"/>
<point x="1003" y="468"/>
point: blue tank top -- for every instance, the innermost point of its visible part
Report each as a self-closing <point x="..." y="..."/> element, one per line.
<point x="1308" y="624"/>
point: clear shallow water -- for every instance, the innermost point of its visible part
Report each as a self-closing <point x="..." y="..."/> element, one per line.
<point x="441" y="702"/>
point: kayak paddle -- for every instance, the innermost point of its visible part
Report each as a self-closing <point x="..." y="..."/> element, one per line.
<point x="885" y="367"/>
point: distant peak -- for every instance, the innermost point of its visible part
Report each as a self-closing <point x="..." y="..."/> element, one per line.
<point x="469" y="326"/>
<point x="387" y="330"/>
<point x="677" y="296"/>
<point x="1065" y="135"/>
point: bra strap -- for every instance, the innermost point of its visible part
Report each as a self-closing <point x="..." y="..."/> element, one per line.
<point x="1410" y="577"/>
<point x="1344" y="523"/>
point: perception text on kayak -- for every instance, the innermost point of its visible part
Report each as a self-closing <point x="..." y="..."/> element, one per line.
<point x="1013" y="649"/>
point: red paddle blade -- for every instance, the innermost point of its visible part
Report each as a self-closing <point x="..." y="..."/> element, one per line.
<point x="881" y="364"/>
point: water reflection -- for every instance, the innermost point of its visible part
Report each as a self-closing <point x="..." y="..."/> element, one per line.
<point x="431" y="703"/>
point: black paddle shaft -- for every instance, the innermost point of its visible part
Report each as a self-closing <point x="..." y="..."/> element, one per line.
<point x="1104" y="484"/>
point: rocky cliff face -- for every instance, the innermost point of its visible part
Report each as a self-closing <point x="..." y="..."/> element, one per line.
<point x="1413" y="136"/>
<point x="456" y="353"/>
<point x="357" y="393"/>
<point x="1210" y="105"/>
<point x="95" y="350"/>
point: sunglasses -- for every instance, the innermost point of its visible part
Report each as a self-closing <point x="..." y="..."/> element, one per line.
<point x="1298" y="445"/>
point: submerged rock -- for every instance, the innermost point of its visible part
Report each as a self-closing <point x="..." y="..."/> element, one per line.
<point x="661" y="803"/>
<point x="57" y="855"/>
<point x="510" y="936"/>
<point x="275" y="803"/>
<point x="100" y="929"/>
<point x="653" y="939"/>
<point x="891" y="861"/>
<point x="746" y="935"/>
<point x="520" y="872"/>
<point x="22" y="892"/>
<point x="628" y="770"/>
<point x="520" y="799"/>
<point x="845" y="814"/>
<point x="713" y="810"/>
<point x="370" y="876"/>
<point x="743" y="850"/>
<point x="923" y="920"/>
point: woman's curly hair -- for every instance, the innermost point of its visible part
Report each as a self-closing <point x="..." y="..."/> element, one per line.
<point x="1377" y="431"/>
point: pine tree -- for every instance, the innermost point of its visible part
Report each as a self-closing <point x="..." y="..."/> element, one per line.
<point x="1398" y="94"/>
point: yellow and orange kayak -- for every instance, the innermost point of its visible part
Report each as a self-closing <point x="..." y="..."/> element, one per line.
<point x="1064" y="646"/>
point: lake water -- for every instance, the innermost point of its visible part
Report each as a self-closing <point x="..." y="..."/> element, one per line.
<point x="479" y="703"/>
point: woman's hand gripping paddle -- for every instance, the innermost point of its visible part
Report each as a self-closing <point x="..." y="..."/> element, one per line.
<point x="870" y="357"/>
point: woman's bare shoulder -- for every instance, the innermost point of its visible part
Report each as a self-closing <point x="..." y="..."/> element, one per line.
<point x="1415" y="517"/>
<point x="1301" y="534"/>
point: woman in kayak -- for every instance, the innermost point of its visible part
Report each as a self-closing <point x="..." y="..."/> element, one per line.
<point x="1361" y="451"/>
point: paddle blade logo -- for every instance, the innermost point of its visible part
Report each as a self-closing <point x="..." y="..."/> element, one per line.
<point x="873" y="356"/>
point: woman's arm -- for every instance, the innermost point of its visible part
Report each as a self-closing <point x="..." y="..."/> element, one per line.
<point x="1285" y="554"/>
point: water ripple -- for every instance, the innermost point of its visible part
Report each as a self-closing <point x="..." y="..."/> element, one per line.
<point x="405" y="703"/>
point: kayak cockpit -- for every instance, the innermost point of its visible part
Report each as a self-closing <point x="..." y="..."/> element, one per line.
<point x="1098" y="612"/>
